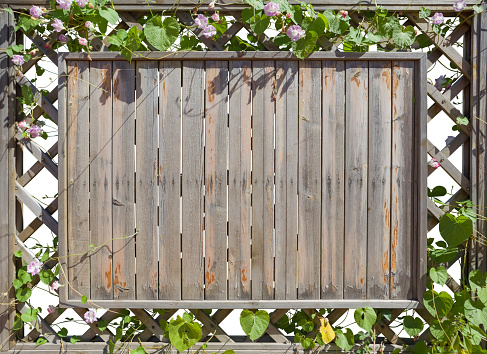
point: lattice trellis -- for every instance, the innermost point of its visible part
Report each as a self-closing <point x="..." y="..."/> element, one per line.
<point x="13" y="182"/>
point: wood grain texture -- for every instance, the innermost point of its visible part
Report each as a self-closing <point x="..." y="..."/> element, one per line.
<point x="78" y="178"/>
<point x="332" y="180"/>
<point x="239" y="193"/>
<point x="193" y="179"/>
<point x="216" y="136"/>
<point x="309" y="180"/>
<point x="262" y="180"/>
<point x="169" y="180"/>
<point x="379" y="180"/>
<point x="286" y="167"/>
<point x="123" y="209"/>
<point x="101" y="179"/>
<point x="356" y="154"/>
<point x="146" y="196"/>
<point x="402" y="163"/>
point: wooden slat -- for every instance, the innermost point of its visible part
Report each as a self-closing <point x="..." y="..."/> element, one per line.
<point x="208" y="322"/>
<point x="216" y="135"/>
<point x="402" y="166"/>
<point x="169" y="180"/>
<point x="379" y="180"/>
<point x="41" y="100"/>
<point x="146" y="196"/>
<point x="101" y="179"/>
<point x="454" y="90"/>
<point x="77" y="157"/>
<point x="262" y="180"/>
<point x="192" y="188"/>
<point x="239" y="197"/>
<point x="42" y="45"/>
<point x="229" y="33"/>
<point x="37" y="167"/>
<point x="309" y="180"/>
<point x="39" y="154"/>
<point x="123" y="182"/>
<point x="332" y="180"/>
<point x="286" y="179"/>
<point x="356" y="154"/>
<point x="37" y="223"/>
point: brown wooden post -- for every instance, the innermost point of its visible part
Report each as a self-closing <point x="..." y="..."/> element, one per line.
<point x="7" y="179"/>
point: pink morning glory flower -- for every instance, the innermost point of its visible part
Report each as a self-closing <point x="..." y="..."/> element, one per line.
<point x="271" y="9"/>
<point x="90" y="316"/>
<point x="22" y="124"/>
<point x="65" y="4"/>
<point x="343" y="13"/>
<point x="54" y="285"/>
<point x="434" y="163"/>
<point x="58" y="25"/>
<point x="215" y="17"/>
<point x="35" y="131"/>
<point x="34" y="267"/>
<point x="18" y="59"/>
<point x="209" y="31"/>
<point x="36" y="11"/>
<point x="295" y="32"/>
<point x="63" y="39"/>
<point x="440" y="82"/>
<point x="438" y="18"/>
<point x="51" y="309"/>
<point x="88" y="24"/>
<point x="82" y="3"/>
<point x="82" y="41"/>
<point x="201" y="21"/>
<point x="211" y="6"/>
<point x="459" y="5"/>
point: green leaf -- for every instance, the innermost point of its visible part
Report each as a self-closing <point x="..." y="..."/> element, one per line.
<point x="305" y="46"/>
<point x="131" y="44"/>
<point x="109" y="14"/>
<point x="439" y="275"/>
<point x="18" y="324"/>
<point x="365" y="317"/>
<point x="118" y="38"/>
<point x="477" y="280"/>
<point x="162" y="35"/>
<point x="119" y="334"/>
<point x="476" y="312"/>
<point x="184" y="334"/>
<point x="478" y="8"/>
<point x="17" y="283"/>
<point x="444" y="255"/>
<point x="74" y="339"/>
<point x="63" y="332"/>
<point x="424" y="13"/>
<point x="102" y="325"/>
<point x="228" y="351"/>
<point x="438" y="191"/>
<point x="23" y="294"/>
<point x="387" y="25"/>
<point x="344" y="340"/>
<point x="9" y="52"/>
<point x="256" y="4"/>
<point x="413" y="325"/>
<point x="442" y="331"/>
<point x="421" y="348"/>
<point x="111" y="346"/>
<point x="338" y="25"/>
<point x="260" y="24"/>
<point x="46" y="276"/>
<point x="41" y="341"/>
<point x="454" y="230"/>
<point x="403" y="37"/>
<point x="30" y="315"/>
<point x="436" y="303"/>
<point x="284" y="6"/>
<point x="139" y="350"/>
<point x="375" y="38"/>
<point x="462" y="120"/>
<point x="28" y="95"/>
<point x="254" y="324"/>
<point x="84" y="299"/>
<point x="325" y="21"/>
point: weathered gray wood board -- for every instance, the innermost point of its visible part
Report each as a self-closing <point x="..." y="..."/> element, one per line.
<point x="244" y="181"/>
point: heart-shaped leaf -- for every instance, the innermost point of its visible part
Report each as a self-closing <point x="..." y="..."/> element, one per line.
<point x="365" y="317"/>
<point x="403" y="37"/>
<point x="184" y="334"/>
<point x="254" y="324"/>
<point x="454" y="230"/>
<point x="162" y="35"/>
<point x="30" y="315"/>
<point x="437" y="304"/>
<point x="344" y="339"/>
<point x="413" y="325"/>
<point x="476" y="312"/>
<point x="439" y="275"/>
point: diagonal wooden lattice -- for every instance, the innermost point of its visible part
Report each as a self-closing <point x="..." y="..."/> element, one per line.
<point x="211" y="324"/>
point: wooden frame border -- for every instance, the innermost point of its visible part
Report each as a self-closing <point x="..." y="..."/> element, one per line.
<point x="419" y="185"/>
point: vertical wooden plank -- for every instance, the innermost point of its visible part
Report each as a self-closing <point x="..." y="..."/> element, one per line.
<point x="332" y="181"/>
<point x="146" y="197"/>
<point x="239" y="196"/>
<point x="286" y="179"/>
<point x="101" y="178"/>
<point x="379" y="180"/>
<point x="421" y="119"/>
<point x="123" y="183"/>
<point x="309" y="180"/>
<point x="193" y="174"/>
<point x="170" y="180"/>
<point x="262" y="180"/>
<point x="7" y="192"/>
<point x="356" y="180"/>
<point x="78" y="177"/>
<point x="216" y="125"/>
<point x="402" y="162"/>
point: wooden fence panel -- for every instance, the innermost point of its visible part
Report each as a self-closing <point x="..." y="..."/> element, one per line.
<point x="250" y="179"/>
